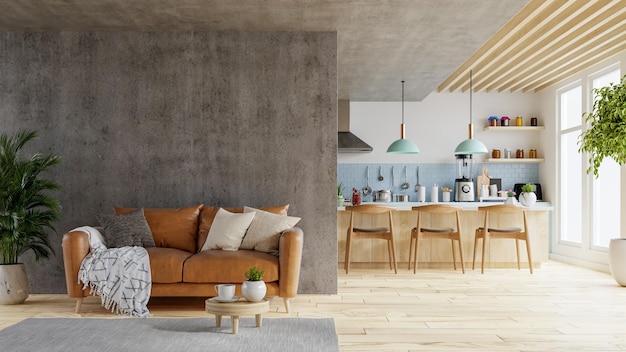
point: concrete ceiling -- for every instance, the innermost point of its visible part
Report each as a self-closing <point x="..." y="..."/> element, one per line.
<point x="380" y="42"/>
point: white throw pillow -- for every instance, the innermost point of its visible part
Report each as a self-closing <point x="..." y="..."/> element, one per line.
<point x="264" y="233"/>
<point x="227" y="230"/>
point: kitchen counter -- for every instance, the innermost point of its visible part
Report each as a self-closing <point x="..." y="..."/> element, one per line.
<point x="402" y="206"/>
<point x="437" y="253"/>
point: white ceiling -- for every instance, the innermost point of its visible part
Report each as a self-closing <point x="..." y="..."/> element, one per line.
<point x="380" y="42"/>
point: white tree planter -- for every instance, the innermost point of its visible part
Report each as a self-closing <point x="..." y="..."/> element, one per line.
<point x="617" y="260"/>
<point x="13" y="284"/>
<point x="253" y="291"/>
<point x="528" y="199"/>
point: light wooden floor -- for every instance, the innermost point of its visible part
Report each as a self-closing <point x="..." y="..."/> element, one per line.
<point x="559" y="308"/>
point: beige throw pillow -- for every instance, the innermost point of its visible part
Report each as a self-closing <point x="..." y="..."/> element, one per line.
<point x="227" y="230"/>
<point x="264" y="232"/>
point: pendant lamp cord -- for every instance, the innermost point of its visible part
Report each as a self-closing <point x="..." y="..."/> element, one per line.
<point x="470" y="96"/>
<point x="402" y="102"/>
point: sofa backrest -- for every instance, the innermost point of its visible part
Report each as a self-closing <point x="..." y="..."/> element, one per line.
<point x="172" y="227"/>
<point x="207" y="215"/>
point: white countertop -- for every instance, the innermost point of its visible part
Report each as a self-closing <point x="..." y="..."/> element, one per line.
<point x="464" y="205"/>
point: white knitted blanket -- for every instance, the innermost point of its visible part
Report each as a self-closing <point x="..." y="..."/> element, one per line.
<point x="120" y="276"/>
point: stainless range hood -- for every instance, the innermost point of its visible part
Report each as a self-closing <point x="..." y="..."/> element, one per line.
<point x="347" y="142"/>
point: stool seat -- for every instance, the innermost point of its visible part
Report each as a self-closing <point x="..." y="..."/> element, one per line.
<point x="435" y="229"/>
<point x="372" y="230"/>
<point x="501" y="229"/>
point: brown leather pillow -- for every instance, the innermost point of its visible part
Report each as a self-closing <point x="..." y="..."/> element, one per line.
<point x="207" y="215"/>
<point x="172" y="227"/>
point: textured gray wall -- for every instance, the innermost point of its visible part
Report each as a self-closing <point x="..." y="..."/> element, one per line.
<point x="181" y="118"/>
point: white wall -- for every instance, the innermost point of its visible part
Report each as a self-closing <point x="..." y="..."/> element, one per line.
<point x="438" y="124"/>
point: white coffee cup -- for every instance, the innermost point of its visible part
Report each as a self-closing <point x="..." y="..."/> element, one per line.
<point x="225" y="291"/>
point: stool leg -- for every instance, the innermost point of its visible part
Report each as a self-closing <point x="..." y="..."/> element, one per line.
<point x="517" y="252"/>
<point x="389" y="250"/>
<point x="461" y="255"/>
<point x="482" y="266"/>
<point x="393" y="252"/>
<point x="348" y="248"/>
<point x="453" y="253"/>
<point x="530" y="257"/>
<point x="475" y="245"/>
<point x="410" y="250"/>
<point x="417" y="250"/>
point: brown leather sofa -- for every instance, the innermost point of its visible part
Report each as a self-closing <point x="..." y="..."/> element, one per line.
<point x="179" y="268"/>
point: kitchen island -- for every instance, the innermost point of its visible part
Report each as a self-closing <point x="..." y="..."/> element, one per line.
<point x="437" y="253"/>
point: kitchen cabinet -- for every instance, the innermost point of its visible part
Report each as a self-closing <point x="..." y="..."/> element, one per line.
<point x="513" y="160"/>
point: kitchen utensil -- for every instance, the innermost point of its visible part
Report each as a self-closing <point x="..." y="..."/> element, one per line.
<point x="367" y="190"/>
<point x="417" y="185"/>
<point x="405" y="185"/>
<point x="402" y="198"/>
<point x="384" y="195"/>
<point x="393" y="177"/>
<point x="380" y="173"/>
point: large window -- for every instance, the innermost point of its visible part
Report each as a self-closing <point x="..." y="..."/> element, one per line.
<point x="588" y="208"/>
<point x="570" y="115"/>
<point x="606" y="188"/>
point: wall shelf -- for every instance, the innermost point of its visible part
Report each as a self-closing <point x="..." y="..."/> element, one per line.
<point x="515" y="128"/>
<point x="515" y="160"/>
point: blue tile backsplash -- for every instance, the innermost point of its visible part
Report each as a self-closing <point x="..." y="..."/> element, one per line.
<point x="355" y="175"/>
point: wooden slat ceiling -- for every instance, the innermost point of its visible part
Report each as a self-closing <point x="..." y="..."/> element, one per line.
<point x="545" y="43"/>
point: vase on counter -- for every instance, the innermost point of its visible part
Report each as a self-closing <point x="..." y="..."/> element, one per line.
<point x="528" y="199"/>
<point x="510" y="200"/>
<point x="340" y="201"/>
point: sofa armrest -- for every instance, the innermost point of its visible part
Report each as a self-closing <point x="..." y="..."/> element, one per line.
<point x="75" y="249"/>
<point x="290" y="258"/>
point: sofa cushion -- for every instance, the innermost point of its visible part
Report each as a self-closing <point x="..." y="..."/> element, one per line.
<point x="207" y="215"/>
<point x="228" y="267"/>
<point x="171" y="227"/>
<point x="166" y="264"/>
<point x="264" y="232"/>
<point x="126" y="230"/>
<point x="227" y="230"/>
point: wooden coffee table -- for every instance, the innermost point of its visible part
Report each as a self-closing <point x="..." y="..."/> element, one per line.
<point x="236" y="309"/>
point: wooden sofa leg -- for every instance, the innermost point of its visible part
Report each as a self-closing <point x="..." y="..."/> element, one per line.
<point x="287" y="308"/>
<point x="79" y="303"/>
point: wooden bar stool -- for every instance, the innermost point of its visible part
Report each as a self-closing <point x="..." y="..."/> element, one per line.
<point x="451" y="233"/>
<point x="516" y="233"/>
<point x="383" y="233"/>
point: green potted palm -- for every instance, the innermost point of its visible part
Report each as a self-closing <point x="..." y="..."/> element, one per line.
<point x="606" y="138"/>
<point x="27" y="212"/>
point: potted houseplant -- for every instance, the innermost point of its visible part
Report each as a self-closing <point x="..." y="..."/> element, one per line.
<point x="605" y="139"/>
<point x="340" y="195"/>
<point x="528" y="198"/>
<point x="27" y="211"/>
<point x="607" y="131"/>
<point x="254" y="289"/>
<point x="510" y="197"/>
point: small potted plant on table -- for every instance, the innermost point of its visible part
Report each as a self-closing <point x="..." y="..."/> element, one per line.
<point x="528" y="198"/>
<point x="254" y="288"/>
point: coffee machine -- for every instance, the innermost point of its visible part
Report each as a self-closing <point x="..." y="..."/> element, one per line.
<point x="464" y="184"/>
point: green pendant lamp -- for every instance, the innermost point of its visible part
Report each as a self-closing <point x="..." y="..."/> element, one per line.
<point x="402" y="145"/>
<point x="470" y="146"/>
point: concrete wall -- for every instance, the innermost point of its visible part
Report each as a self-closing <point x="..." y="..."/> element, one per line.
<point x="176" y="119"/>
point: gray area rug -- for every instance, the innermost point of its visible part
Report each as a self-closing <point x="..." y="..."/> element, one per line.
<point x="168" y="334"/>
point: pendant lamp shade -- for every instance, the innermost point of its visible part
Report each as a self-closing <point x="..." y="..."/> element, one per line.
<point x="403" y="145"/>
<point x="470" y="145"/>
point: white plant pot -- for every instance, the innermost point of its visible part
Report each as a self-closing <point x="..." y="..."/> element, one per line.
<point x="13" y="284"/>
<point x="528" y="199"/>
<point x="510" y="200"/>
<point x="617" y="260"/>
<point x="253" y="291"/>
